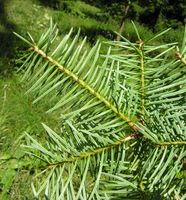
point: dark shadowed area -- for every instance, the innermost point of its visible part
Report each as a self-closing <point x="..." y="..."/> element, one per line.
<point x="7" y="39"/>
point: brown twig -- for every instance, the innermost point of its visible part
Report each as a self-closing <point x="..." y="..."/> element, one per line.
<point x="179" y="57"/>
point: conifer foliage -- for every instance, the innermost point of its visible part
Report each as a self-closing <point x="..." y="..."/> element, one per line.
<point x="123" y="118"/>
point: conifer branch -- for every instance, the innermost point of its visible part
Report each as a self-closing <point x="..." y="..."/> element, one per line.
<point x="140" y="44"/>
<point x="87" y="87"/>
<point x="98" y="150"/>
<point x="172" y="143"/>
<point x="94" y="143"/>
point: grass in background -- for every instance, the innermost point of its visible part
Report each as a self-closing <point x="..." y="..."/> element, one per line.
<point x="11" y="156"/>
<point x="32" y="16"/>
<point x="18" y="115"/>
<point x="130" y="34"/>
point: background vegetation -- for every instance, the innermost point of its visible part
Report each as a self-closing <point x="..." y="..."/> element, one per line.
<point x="98" y="19"/>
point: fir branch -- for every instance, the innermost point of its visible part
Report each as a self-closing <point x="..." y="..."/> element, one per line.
<point x="84" y="155"/>
<point x="172" y="143"/>
<point x="94" y="140"/>
<point x="140" y="45"/>
<point x="87" y="87"/>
